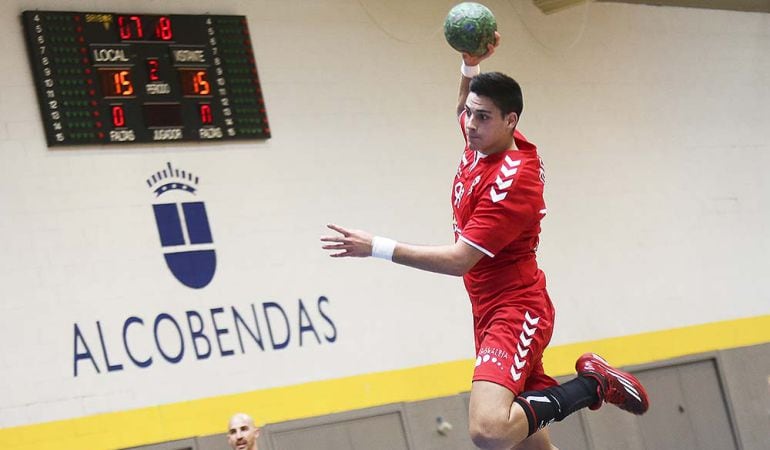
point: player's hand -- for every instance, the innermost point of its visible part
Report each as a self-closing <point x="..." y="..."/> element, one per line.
<point x="355" y="243"/>
<point x="471" y="60"/>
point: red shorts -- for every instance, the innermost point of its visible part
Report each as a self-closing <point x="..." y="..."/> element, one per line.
<point x="510" y="339"/>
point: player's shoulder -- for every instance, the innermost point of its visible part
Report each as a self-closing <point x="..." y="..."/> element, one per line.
<point x="513" y="181"/>
<point x="520" y="160"/>
<point x="522" y="167"/>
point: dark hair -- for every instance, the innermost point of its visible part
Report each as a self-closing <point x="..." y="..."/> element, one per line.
<point x="504" y="91"/>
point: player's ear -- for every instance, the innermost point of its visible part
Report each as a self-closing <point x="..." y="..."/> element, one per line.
<point x="511" y="120"/>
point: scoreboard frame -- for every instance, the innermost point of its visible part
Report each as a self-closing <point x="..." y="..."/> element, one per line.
<point x="115" y="78"/>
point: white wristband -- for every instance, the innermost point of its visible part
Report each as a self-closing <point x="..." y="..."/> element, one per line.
<point x="470" y="71"/>
<point x="383" y="247"/>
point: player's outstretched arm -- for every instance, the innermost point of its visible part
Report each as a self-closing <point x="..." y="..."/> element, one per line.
<point x="471" y="61"/>
<point x="456" y="259"/>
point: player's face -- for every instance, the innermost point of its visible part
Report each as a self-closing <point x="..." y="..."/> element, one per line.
<point x="242" y="434"/>
<point x="488" y="130"/>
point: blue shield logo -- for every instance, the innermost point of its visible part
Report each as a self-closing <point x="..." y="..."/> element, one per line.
<point x="183" y="227"/>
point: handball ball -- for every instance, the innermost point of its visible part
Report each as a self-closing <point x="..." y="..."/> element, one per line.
<point x="470" y="27"/>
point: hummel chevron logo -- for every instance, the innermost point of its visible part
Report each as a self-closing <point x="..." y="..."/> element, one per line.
<point x="508" y="170"/>
<point x="529" y="331"/>
<point x="496" y="197"/>
<point x="529" y="327"/>
<point x="503" y="184"/>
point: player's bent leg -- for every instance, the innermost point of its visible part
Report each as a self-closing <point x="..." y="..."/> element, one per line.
<point x="495" y="421"/>
<point x="501" y="420"/>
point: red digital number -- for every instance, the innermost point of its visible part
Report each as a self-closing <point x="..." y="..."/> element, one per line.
<point x="130" y="27"/>
<point x="122" y="82"/>
<point x="194" y="82"/>
<point x="125" y="30"/>
<point x="116" y="82"/>
<point x="200" y="84"/>
<point x="152" y="69"/>
<point x="118" y="116"/>
<point x="163" y="29"/>
<point x="205" y="111"/>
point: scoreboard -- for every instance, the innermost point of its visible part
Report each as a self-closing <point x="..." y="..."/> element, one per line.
<point x="105" y="78"/>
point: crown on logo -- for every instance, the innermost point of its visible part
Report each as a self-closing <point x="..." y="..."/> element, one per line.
<point x="170" y="178"/>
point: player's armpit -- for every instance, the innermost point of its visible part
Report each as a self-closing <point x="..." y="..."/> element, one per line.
<point x="468" y="255"/>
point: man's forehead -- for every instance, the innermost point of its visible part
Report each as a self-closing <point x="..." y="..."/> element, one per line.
<point x="238" y="421"/>
<point x="476" y="102"/>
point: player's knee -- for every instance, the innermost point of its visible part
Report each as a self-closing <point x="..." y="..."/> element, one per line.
<point x="488" y="433"/>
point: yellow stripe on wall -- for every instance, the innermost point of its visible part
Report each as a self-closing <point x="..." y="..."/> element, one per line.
<point x="209" y="416"/>
<point x="661" y="345"/>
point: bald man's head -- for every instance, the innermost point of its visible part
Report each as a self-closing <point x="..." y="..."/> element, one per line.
<point x="242" y="433"/>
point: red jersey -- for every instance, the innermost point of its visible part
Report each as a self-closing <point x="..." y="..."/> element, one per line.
<point x="497" y="201"/>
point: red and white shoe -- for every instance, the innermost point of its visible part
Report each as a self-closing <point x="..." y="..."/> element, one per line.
<point x="615" y="386"/>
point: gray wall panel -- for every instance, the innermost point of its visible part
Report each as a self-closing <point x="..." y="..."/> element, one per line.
<point x="667" y="422"/>
<point x="706" y="406"/>
<point x="321" y="437"/>
<point x="379" y="428"/>
<point x="422" y="422"/>
<point x="688" y="410"/>
<point x="212" y="442"/>
<point x="181" y="444"/>
<point x="746" y="373"/>
<point x="385" y="432"/>
<point x="611" y="428"/>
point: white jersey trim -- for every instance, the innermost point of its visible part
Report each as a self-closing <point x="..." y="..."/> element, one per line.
<point x="477" y="246"/>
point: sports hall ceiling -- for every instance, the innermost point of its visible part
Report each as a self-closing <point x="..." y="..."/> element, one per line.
<point x="549" y="6"/>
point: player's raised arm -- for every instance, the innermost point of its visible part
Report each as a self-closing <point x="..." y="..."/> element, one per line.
<point x="470" y="68"/>
<point x="471" y="29"/>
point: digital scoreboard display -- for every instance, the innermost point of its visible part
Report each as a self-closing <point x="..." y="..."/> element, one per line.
<point x="107" y="78"/>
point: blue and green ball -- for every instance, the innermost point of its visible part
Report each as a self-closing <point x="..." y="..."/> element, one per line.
<point x="470" y="27"/>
